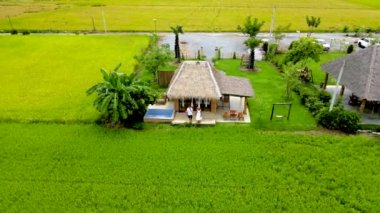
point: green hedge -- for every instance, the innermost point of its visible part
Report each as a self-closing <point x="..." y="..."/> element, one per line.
<point x="339" y="119"/>
<point x="318" y="101"/>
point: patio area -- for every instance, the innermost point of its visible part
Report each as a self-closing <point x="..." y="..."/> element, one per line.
<point x="369" y="116"/>
<point x="209" y="118"/>
<point x="222" y="115"/>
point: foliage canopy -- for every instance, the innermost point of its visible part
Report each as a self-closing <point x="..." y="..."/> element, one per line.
<point x="302" y="49"/>
<point x="121" y="98"/>
<point x="251" y="27"/>
<point x="156" y="57"/>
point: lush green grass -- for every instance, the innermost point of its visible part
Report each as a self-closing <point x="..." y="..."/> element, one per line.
<point x="269" y="87"/>
<point x="318" y="73"/>
<point x="46" y="77"/>
<point x="216" y="15"/>
<point x="88" y="168"/>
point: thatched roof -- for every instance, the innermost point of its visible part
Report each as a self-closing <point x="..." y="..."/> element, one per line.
<point x="233" y="85"/>
<point x="361" y="72"/>
<point x="194" y="80"/>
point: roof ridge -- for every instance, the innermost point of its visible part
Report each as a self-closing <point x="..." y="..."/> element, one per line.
<point x="213" y="79"/>
<point x="371" y="72"/>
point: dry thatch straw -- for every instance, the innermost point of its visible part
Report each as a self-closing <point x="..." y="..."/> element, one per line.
<point x="194" y="80"/>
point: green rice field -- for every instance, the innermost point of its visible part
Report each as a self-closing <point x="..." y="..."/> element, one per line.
<point x="44" y="78"/>
<point x="71" y="168"/>
<point x="194" y="15"/>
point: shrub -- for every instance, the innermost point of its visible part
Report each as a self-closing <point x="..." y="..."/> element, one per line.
<point x="265" y="47"/>
<point x="305" y="94"/>
<point x="25" y="32"/>
<point x="314" y="104"/>
<point x="14" y="32"/>
<point x="350" y="49"/>
<point x="272" y="50"/>
<point x="291" y="45"/>
<point x="339" y="119"/>
<point x="324" y="96"/>
<point x="278" y="62"/>
<point x="346" y="29"/>
<point x="370" y="127"/>
<point x="369" y="30"/>
<point x="234" y="55"/>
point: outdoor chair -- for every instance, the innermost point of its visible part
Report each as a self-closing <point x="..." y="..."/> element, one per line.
<point x="233" y="115"/>
<point x="226" y="115"/>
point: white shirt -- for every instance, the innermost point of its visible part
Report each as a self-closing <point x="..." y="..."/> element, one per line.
<point x="189" y="111"/>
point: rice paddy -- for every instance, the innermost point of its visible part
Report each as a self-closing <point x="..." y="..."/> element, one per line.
<point x="194" y="15"/>
<point x="45" y="78"/>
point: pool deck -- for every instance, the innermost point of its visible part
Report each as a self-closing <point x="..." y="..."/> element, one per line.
<point x="208" y="118"/>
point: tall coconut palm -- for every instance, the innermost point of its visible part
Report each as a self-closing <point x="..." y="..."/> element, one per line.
<point x="121" y="97"/>
<point x="312" y="23"/>
<point x="177" y="30"/>
<point x="252" y="43"/>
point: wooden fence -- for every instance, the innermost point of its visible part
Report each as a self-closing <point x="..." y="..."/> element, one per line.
<point x="164" y="78"/>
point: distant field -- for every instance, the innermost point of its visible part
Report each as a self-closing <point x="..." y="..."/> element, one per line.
<point x="195" y="15"/>
<point x="75" y="168"/>
<point x="44" y="78"/>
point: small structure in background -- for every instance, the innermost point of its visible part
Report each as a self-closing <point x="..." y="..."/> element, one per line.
<point x="360" y="73"/>
<point x="359" y="77"/>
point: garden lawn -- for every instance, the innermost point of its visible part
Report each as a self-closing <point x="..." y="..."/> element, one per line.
<point x="216" y="15"/>
<point x="318" y="73"/>
<point x="45" y="78"/>
<point x="54" y="168"/>
<point x="269" y="88"/>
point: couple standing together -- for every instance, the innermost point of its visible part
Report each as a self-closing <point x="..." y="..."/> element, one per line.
<point x="198" y="116"/>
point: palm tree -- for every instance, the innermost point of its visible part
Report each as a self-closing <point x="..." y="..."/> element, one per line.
<point x="177" y="30"/>
<point x="252" y="28"/>
<point x="121" y="98"/>
<point x="252" y="43"/>
<point x="312" y="23"/>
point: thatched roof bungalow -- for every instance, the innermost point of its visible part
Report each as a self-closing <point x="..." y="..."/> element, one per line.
<point x="197" y="84"/>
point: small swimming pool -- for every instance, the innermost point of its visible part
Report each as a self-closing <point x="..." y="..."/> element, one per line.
<point x="159" y="115"/>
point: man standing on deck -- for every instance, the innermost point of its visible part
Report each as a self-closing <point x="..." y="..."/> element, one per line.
<point x="189" y="112"/>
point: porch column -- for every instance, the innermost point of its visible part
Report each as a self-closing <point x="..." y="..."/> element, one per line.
<point x="362" y="105"/>
<point x="213" y="105"/>
<point x="176" y="104"/>
<point x="245" y="105"/>
<point x="326" y="80"/>
<point x="342" y="90"/>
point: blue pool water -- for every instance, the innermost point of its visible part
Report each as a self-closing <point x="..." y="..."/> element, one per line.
<point x="159" y="113"/>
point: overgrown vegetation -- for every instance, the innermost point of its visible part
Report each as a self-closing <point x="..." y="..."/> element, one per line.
<point x="122" y="99"/>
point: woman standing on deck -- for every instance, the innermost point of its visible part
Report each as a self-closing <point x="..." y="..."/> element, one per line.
<point x="198" y="116"/>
